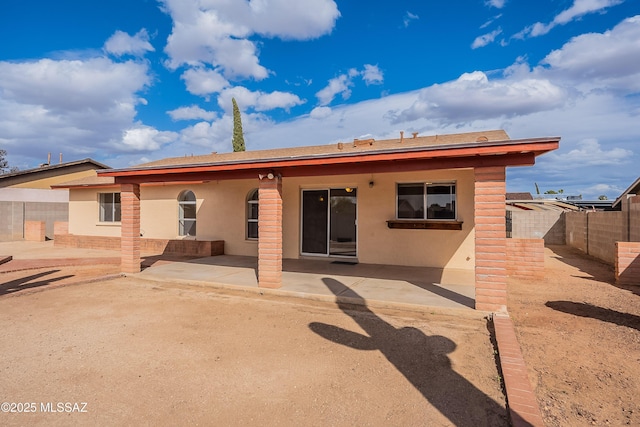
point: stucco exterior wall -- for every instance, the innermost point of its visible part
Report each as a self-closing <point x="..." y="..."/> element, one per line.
<point x="221" y="215"/>
<point x="47" y="182"/>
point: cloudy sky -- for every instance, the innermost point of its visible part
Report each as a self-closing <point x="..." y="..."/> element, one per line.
<point x="129" y="81"/>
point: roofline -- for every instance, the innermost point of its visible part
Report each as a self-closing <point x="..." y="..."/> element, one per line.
<point x="625" y="192"/>
<point x="53" y="167"/>
<point x="487" y="148"/>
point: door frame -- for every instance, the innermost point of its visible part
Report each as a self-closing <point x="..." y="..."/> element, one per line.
<point x="328" y="253"/>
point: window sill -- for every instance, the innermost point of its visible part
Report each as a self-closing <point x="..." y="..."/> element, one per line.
<point x="421" y="224"/>
<point x="109" y="224"/>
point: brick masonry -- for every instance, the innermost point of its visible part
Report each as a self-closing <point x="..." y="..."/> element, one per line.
<point x="627" y="263"/>
<point x="130" y="228"/>
<point x="490" y="239"/>
<point x="270" y="232"/>
<point x="147" y="246"/>
<point x="524" y="410"/>
<point x="525" y="258"/>
<point x="35" y="231"/>
<point x="60" y="227"/>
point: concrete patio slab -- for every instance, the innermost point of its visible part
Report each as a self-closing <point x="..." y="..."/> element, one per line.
<point x="366" y="284"/>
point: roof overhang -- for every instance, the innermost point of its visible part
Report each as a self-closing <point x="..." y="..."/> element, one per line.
<point x="450" y="156"/>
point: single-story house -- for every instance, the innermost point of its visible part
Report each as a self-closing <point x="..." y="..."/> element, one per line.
<point x="432" y="201"/>
<point x="28" y="206"/>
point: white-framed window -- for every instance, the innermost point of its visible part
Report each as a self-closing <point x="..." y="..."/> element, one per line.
<point x="252" y="214"/>
<point x="435" y="201"/>
<point x="110" y="210"/>
<point x="187" y="213"/>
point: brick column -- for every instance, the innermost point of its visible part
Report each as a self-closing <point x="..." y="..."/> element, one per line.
<point x="270" y="232"/>
<point x="490" y="239"/>
<point x="130" y="228"/>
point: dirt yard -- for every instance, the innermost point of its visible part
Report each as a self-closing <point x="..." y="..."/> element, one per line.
<point x="580" y="337"/>
<point x="139" y="353"/>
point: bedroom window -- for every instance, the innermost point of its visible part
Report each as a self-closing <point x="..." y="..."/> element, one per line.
<point x="426" y="201"/>
<point x="187" y="213"/>
<point x="252" y="214"/>
<point x="109" y="207"/>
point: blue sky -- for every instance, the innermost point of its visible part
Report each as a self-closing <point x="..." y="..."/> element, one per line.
<point x="126" y="82"/>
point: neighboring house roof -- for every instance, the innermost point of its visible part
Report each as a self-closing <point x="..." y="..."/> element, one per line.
<point x="633" y="189"/>
<point x="49" y="174"/>
<point x="540" y="205"/>
<point x="519" y="196"/>
<point x="489" y="148"/>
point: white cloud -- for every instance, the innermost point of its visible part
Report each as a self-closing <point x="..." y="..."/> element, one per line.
<point x="337" y="85"/>
<point x="408" y="17"/>
<point x="258" y="100"/>
<point x="588" y="152"/>
<point x="577" y="10"/>
<point x="217" y="33"/>
<point x="474" y="96"/>
<point x="615" y="66"/>
<point x="491" y="21"/>
<point x="145" y="138"/>
<point x="191" y="113"/>
<point x="320" y="113"/>
<point x="498" y="4"/>
<point x="201" y="81"/>
<point x="485" y="39"/>
<point x="121" y="43"/>
<point x="78" y="107"/>
<point x="372" y="75"/>
<point x="342" y="84"/>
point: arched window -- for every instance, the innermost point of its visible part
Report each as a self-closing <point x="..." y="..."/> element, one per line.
<point x="252" y="214"/>
<point x="187" y="213"/>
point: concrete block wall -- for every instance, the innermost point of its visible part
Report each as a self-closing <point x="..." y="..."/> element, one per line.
<point x="604" y="230"/>
<point x="14" y="214"/>
<point x="34" y="231"/>
<point x="634" y="219"/>
<point x="576" y="230"/>
<point x="547" y="225"/>
<point x="525" y="258"/>
<point x="627" y="263"/>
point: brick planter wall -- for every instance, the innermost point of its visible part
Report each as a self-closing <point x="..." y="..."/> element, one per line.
<point x="34" y="231"/>
<point x="60" y="227"/>
<point x="147" y="246"/>
<point x="525" y="258"/>
<point x="627" y="263"/>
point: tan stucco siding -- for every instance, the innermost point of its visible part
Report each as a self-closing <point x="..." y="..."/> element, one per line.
<point x="84" y="214"/>
<point x="53" y="180"/>
<point x="222" y="215"/>
<point x="377" y="244"/>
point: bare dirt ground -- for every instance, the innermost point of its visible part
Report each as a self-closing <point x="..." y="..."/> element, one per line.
<point x="139" y="353"/>
<point x="580" y="337"/>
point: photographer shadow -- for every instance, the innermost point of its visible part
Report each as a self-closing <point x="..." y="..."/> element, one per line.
<point x="422" y="359"/>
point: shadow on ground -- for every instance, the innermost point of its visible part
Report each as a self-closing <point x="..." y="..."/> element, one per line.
<point x="595" y="312"/>
<point x="29" y="282"/>
<point x="421" y="359"/>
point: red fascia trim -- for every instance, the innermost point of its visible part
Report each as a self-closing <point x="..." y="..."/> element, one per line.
<point x="535" y="148"/>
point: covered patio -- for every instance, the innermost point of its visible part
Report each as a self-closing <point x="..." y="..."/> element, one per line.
<point x="418" y="288"/>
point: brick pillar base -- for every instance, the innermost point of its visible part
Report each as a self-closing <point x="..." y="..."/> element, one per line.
<point x="130" y="228"/>
<point x="270" y="232"/>
<point x="490" y="239"/>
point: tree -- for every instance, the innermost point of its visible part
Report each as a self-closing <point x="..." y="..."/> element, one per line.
<point x="238" y="138"/>
<point x="4" y="164"/>
<point x="603" y="197"/>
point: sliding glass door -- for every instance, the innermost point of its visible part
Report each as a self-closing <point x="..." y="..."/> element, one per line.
<point x="329" y="222"/>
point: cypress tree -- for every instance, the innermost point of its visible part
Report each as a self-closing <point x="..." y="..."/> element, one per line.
<point x="238" y="138"/>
